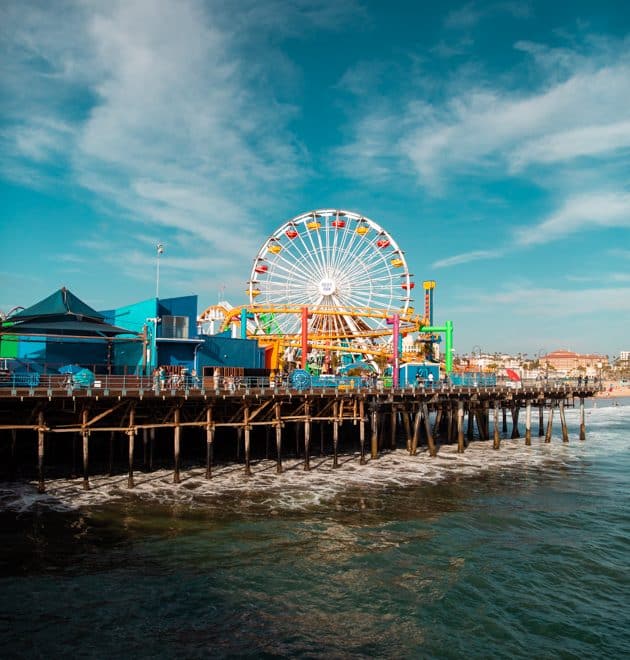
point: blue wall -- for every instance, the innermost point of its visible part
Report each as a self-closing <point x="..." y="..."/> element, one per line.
<point x="132" y="317"/>
<point x="177" y="353"/>
<point x="49" y="354"/>
<point x="128" y="356"/>
<point x="408" y="373"/>
<point x="218" y="351"/>
<point x="182" y="306"/>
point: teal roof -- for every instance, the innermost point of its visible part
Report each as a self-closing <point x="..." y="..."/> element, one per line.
<point x="61" y="303"/>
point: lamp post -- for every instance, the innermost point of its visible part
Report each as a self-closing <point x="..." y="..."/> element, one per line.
<point x="160" y="251"/>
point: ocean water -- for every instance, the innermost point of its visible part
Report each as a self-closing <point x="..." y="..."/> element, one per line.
<point x="518" y="553"/>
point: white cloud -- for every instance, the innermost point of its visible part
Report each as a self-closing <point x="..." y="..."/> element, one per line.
<point x="472" y="13"/>
<point x="567" y="145"/>
<point x="161" y="111"/>
<point x="485" y="131"/>
<point x="467" y="257"/>
<point x="579" y="213"/>
<point x="536" y="303"/>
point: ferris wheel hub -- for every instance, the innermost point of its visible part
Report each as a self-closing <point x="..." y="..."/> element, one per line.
<point x="327" y="286"/>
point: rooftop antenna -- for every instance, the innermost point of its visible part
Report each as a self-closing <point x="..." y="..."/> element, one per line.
<point x="160" y="251"/>
<point x="221" y="293"/>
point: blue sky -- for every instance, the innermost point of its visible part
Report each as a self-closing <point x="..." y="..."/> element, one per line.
<point x="491" y="139"/>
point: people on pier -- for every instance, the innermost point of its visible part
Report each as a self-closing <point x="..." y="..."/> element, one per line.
<point x="162" y="377"/>
<point x="579" y="380"/>
<point x="194" y="380"/>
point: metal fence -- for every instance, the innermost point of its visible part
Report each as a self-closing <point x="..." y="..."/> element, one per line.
<point x="19" y="382"/>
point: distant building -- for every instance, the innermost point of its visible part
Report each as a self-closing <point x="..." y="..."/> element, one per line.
<point x="566" y="361"/>
<point x="624" y="356"/>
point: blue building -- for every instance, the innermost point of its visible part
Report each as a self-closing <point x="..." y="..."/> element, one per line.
<point x="60" y="330"/>
<point x="133" y="339"/>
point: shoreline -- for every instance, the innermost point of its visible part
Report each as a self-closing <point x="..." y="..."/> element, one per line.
<point x="612" y="390"/>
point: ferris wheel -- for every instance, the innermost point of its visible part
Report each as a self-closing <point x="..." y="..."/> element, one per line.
<point x="341" y="265"/>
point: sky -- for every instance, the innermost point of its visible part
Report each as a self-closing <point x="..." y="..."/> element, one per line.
<point x="491" y="139"/>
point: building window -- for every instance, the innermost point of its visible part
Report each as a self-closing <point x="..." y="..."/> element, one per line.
<point x="175" y="327"/>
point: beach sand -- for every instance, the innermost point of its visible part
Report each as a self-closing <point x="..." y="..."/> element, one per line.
<point x="611" y="389"/>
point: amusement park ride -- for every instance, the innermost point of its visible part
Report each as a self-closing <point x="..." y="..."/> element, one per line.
<point x="333" y="287"/>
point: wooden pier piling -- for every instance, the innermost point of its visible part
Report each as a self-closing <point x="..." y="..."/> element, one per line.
<point x="278" y="425"/>
<point x="85" y="433"/>
<point x="101" y="418"/>
<point x="416" y="433"/>
<point x="427" y="426"/>
<point x="515" y="413"/>
<point x="528" y="423"/>
<point x="131" y="433"/>
<point x="336" y="415"/>
<point x="209" y="441"/>
<point x="41" y="436"/>
<point x="460" y="427"/>
<point x="497" y="438"/>
<point x="393" y="428"/>
<point x="307" y="436"/>
<point x="362" y="430"/>
<point x="176" y="443"/>
<point x="563" y="422"/>
<point x="247" y="429"/>
<point x="374" y="436"/>
<point x="549" y="425"/>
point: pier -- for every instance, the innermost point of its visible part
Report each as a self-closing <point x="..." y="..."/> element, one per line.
<point x="130" y="414"/>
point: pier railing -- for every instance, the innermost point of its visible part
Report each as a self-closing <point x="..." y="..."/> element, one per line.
<point x="32" y="383"/>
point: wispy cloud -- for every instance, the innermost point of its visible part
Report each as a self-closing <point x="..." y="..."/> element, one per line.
<point x="539" y="302"/>
<point x="482" y="131"/>
<point x="579" y="213"/>
<point x="159" y="111"/>
<point x="466" y="257"/>
<point x="568" y="134"/>
<point x="479" y="130"/>
<point x="469" y="15"/>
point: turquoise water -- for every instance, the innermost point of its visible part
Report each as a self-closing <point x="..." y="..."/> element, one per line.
<point x="524" y="552"/>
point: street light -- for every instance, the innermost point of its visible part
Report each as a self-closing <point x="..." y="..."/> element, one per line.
<point x="160" y="251"/>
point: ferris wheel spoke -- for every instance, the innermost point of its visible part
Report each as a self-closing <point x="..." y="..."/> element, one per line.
<point x="295" y="246"/>
<point x="348" y="239"/>
<point x="290" y="272"/>
<point x="317" y="264"/>
<point x="364" y="254"/>
<point x="305" y="264"/>
<point x="361" y="269"/>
